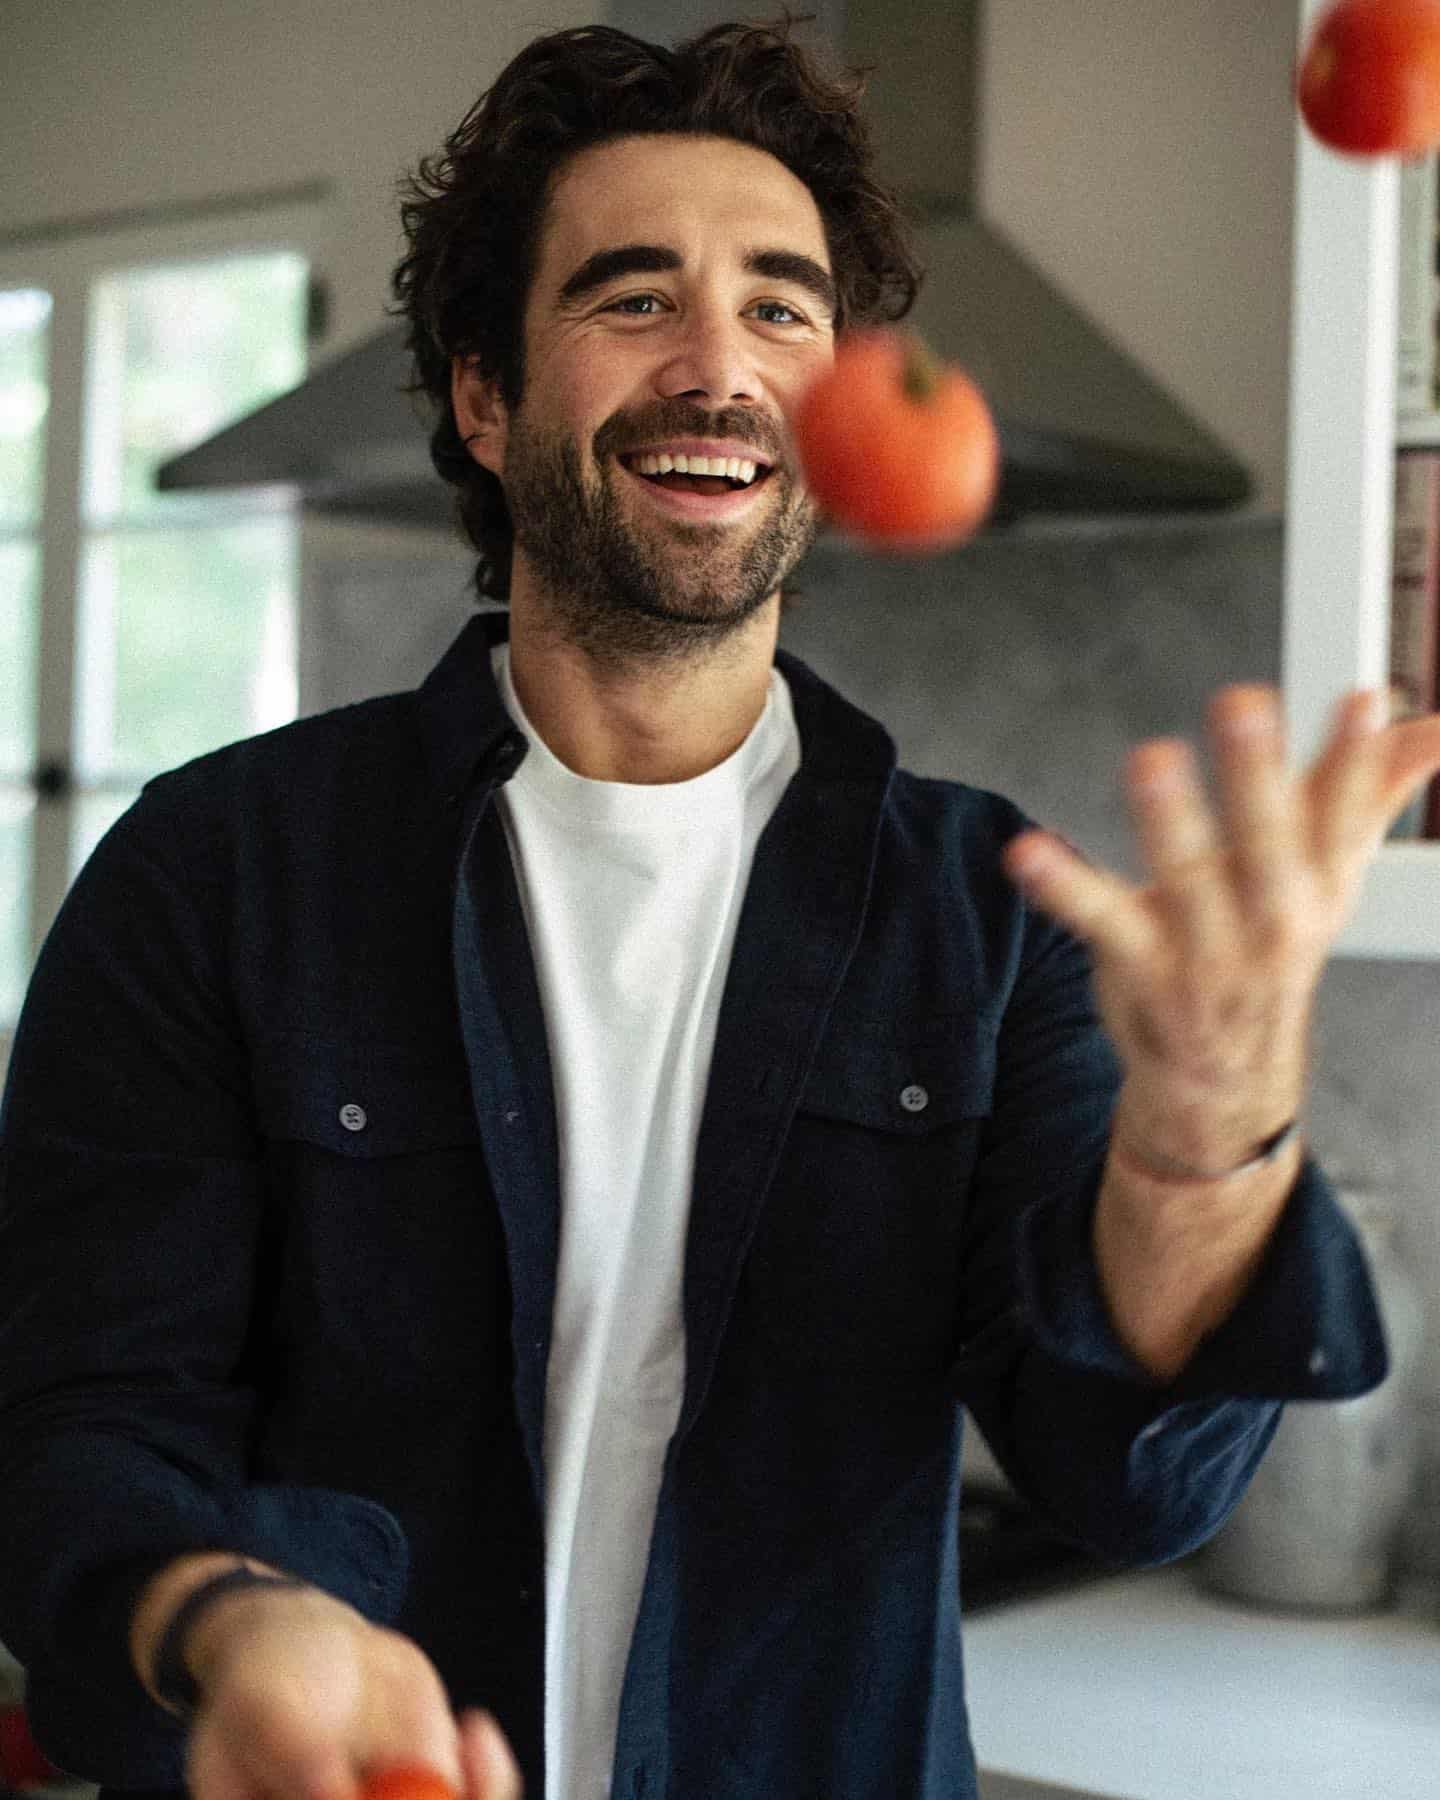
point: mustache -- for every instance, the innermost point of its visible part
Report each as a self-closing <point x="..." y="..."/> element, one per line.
<point x="618" y="436"/>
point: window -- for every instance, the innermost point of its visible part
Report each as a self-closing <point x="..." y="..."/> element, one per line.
<point x="137" y="629"/>
<point x="24" y="342"/>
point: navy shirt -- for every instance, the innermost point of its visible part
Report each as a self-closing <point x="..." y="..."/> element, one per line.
<point x="279" y="1213"/>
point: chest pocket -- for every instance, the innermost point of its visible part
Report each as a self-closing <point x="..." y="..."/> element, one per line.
<point x="389" y="1244"/>
<point x="364" y="1104"/>
<point x="856" y="1260"/>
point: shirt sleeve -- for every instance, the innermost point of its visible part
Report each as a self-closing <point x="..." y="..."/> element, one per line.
<point x="1140" y="1470"/>
<point x="133" y="1224"/>
<point x="1307" y="1328"/>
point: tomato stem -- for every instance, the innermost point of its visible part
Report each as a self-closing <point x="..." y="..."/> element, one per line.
<point x="922" y="369"/>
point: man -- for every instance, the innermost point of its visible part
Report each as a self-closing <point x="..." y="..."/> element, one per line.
<point x="535" y="1165"/>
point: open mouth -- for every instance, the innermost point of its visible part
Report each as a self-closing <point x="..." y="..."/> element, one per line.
<point x="696" y="493"/>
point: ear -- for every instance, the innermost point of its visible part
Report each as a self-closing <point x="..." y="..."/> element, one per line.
<point x="479" y="412"/>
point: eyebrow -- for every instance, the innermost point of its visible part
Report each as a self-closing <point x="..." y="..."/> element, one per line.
<point x="605" y="266"/>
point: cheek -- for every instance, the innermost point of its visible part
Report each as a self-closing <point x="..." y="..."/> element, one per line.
<point x="567" y="395"/>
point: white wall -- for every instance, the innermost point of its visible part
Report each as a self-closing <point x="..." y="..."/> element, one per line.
<point x="1141" y="153"/>
<point x="106" y="106"/>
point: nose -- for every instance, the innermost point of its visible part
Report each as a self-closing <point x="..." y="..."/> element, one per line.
<point x="716" y="359"/>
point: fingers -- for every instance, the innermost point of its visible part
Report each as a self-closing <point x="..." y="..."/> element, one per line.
<point x="305" y="1700"/>
<point x="212" y="1772"/>
<point x="1346" y="783"/>
<point x="1202" y="882"/>
<point x="1366" y="778"/>
<point x="1180" y="843"/>
<point x="234" y="1755"/>
<point x="1214" y="881"/>
<point x="491" y="1772"/>
<point x="264" y="1752"/>
<point x="1258" y="793"/>
<point x="1243" y="908"/>
<point x="1097" y="906"/>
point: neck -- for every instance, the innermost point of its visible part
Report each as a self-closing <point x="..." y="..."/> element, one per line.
<point x="643" y="721"/>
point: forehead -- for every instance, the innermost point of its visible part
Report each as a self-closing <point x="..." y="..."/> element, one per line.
<point x="697" y="193"/>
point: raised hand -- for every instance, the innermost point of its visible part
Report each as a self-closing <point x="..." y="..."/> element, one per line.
<point x="1205" y="978"/>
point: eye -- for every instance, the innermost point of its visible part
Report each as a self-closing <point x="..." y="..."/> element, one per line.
<point x="629" y="300"/>
<point x="784" y="306"/>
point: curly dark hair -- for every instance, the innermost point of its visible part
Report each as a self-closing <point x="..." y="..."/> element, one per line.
<point x="473" y="213"/>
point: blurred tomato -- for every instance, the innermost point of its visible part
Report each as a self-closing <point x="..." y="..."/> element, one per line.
<point x="23" y="1764"/>
<point x="896" y="446"/>
<point x="1368" y="83"/>
<point x="407" y="1781"/>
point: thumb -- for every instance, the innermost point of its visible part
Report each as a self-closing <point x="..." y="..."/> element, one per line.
<point x="491" y="1772"/>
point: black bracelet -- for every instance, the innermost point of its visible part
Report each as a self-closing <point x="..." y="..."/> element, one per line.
<point x="1268" y="1152"/>
<point x="173" y="1682"/>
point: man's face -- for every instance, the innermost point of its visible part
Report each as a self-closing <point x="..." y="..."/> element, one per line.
<point x="708" y="326"/>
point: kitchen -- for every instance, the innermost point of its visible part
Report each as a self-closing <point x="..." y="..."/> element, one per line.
<point x="1147" y="164"/>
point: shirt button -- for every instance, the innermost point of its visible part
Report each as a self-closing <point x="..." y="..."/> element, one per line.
<point x="352" y="1117"/>
<point x="1319" y="1361"/>
<point x="914" y="1098"/>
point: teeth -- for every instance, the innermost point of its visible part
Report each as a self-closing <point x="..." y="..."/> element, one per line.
<point x="662" y="463"/>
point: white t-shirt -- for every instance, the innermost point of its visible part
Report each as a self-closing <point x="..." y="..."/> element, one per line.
<point x="631" y="895"/>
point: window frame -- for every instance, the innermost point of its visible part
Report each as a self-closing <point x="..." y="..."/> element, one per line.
<point x="66" y="264"/>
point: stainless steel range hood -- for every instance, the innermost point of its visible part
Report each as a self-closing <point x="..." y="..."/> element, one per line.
<point x="1084" y="430"/>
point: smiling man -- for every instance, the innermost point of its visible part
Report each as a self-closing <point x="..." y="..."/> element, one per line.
<point x="508" y="1188"/>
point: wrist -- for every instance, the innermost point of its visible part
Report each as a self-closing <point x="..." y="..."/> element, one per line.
<point x="1175" y="1257"/>
<point x="1168" y="1133"/>
<point x="1158" y="1165"/>
<point x="158" y="1600"/>
<point x="178" y="1615"/>
<point x="195" y="1640"/>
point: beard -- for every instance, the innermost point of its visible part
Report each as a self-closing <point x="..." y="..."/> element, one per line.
<point x="625" y="588"/>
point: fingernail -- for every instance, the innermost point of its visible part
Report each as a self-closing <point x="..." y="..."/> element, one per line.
<point x="1156" y="779"/>
<point x="1361" y="715"/>
<point x="1375" y="713"/>
<point x="1246" y="722"/>
<point x="500" y="1764"/>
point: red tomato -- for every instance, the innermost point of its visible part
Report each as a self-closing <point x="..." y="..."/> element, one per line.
<point x="896" y="446"/>
<point x="1369" y="81"/>
<point x="23" y="1764"/>
<point x="407" y="1781"/>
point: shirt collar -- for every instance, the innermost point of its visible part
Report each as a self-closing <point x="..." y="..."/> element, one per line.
<point x="467" y="731"/>
<point x="463" y="720"/>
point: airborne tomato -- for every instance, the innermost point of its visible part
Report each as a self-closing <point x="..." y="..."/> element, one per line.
<point x="407" y="1781"/>
<point x="896" y="447"/>
<point x="1369" y="81"/>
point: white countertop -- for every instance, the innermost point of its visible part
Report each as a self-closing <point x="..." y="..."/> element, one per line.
<point x="1144" y="1687"/>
